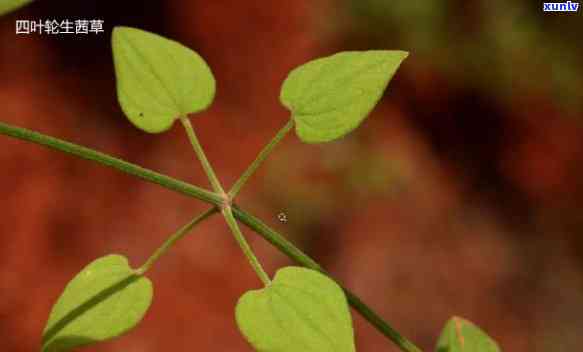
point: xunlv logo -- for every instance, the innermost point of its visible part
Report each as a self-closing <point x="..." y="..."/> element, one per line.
<point x="561" y="6"/>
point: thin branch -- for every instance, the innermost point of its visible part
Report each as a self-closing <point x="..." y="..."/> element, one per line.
<point x="208" y="169"/>
<point x="260" y="158"/>
<point x="255" y="264"/>
<point x="187" y="189"/>
<point x="169" y="242"/>
<point x="108" y="160"/>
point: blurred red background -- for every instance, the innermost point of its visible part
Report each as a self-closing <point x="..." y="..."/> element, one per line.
<point x="460" y="195"/>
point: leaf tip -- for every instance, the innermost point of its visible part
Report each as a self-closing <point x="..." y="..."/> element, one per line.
<point x="402" y="55"/>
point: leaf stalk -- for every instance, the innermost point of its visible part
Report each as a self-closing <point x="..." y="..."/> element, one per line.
<point x="170" y="241"/>
<point x="187" y="189"/>
<point x="260" y="158"/>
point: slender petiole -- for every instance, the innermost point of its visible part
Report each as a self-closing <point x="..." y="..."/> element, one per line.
<point x="230" y="219"/>
<point x="183" y="231"/>
<point x="294" y="253"/>
<point x="208" y="169"/>
<point x="187" y="189"/>
<point x="260" y="158"/>
<point x="226" y="206"/>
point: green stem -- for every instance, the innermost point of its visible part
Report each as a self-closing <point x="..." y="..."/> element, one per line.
<point x="208" y="169"/>
<point x="107" y="160"/>
<point x="260" y="158"/>
<point x="230" y="219"/>
<point x="379" y="323"/>
<point x="226" y="208"/>
<point x="173" y="239"/>
<point x="189" y="190"/>
<point x="294" y="253"/>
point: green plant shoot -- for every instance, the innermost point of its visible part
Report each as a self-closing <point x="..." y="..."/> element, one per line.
<point x="160" y="81"/>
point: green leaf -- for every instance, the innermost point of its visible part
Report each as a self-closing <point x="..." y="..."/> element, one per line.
<point x="158" y="80"/>
<point x="301" y="310"/>
<point x="105" y="300"/>
<point x="460" y="335"/>
<point x="7" y="6"/>
<point x="331" y="96"/>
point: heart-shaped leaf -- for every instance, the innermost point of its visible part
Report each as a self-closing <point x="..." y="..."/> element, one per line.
<point x="7" y="6"/>
<point x="104" y="300"/>
<point x="158" y="80"/>
<point x="301" y="310"/>
<point x="460" y="335"/>
<point x="331" y="96"/>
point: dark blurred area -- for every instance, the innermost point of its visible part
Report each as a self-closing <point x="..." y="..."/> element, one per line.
<point x="461" y="194"/>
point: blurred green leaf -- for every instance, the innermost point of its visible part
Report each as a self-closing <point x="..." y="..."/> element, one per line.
<point x="331" y="96"/>
<point x="7" y="6"/>
<point x="105" y="300"/>
<point x="302" y="310"/>
<point x="158" y="80"/>
<point x="460" y="335"/>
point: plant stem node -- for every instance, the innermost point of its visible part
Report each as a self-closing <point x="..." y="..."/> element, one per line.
<point x="226" y="201"/>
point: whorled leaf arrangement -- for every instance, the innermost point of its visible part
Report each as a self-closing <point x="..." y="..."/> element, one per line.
<point x="160" y="81"/>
